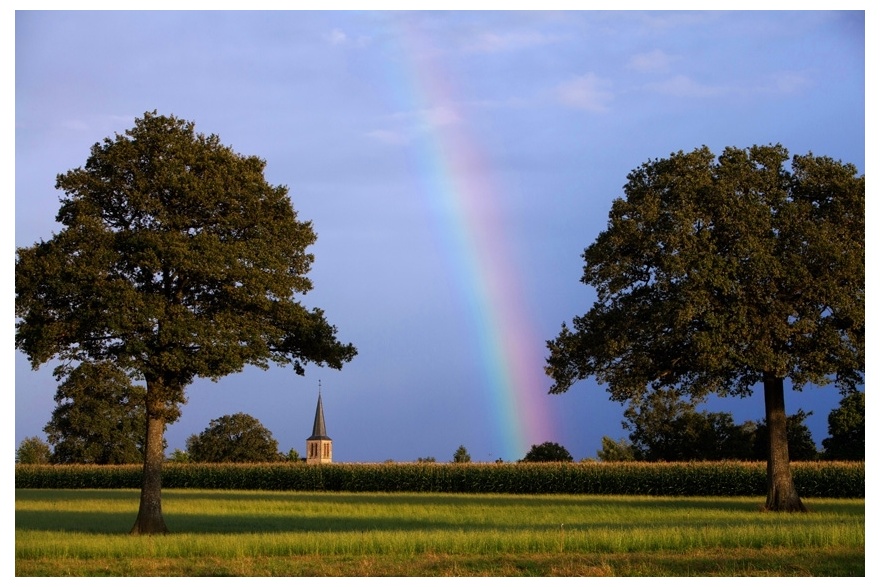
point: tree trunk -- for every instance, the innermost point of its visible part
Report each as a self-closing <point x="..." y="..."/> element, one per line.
<point x="149" y="519"/>
<point x="781" y="493"/>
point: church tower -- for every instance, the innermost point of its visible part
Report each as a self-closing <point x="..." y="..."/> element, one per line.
<point x="319" y="446"/>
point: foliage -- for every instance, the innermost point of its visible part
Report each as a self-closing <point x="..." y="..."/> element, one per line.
<point x="426" y="460"/>
<point x="846" y="430"/>
<point x="176" y="260"/>
<point x="615" y="450"/>
<point x="461" y="455"/>
<point x="239" y="438"/>
<point x="33" y="451"/>
<point x="99" y="417"/>
<point x="711" y="274"/>
<point x="666" y="427"/>
<point x="728" y="478"/>
<point x="716" y="275"/>
<point x="179" y="456"/>
<point x="547" y="452"/>
<point x="293" y="456"/>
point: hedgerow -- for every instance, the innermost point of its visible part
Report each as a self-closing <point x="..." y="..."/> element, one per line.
<point x="813" y="479"/>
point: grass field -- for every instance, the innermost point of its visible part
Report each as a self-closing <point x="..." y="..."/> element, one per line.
<point x="249" y="533"/>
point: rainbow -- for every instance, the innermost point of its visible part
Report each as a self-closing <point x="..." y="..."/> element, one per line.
<point x="465" y="205"/>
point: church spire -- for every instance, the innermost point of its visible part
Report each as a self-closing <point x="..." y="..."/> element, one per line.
<point x="319" y="430"/>
<point x="319" y="446"/>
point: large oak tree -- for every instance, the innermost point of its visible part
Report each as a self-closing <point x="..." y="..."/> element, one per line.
<point x="715" y="275"/>
<point x="177" y="260"/>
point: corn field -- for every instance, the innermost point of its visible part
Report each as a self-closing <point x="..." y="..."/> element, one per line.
<point x="727" y="478"/>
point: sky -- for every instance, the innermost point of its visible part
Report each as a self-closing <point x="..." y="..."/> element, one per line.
<point x="454" y="166"/>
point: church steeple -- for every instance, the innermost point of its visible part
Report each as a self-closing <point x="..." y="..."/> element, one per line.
<point x="319" y="446"/>
<point x="319" y="430"/>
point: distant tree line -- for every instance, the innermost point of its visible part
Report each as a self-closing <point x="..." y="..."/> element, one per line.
<point x="98" y="420"/>
<point x="663" y="427"/>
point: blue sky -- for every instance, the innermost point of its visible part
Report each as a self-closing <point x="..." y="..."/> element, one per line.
<point x="356" y="112"/>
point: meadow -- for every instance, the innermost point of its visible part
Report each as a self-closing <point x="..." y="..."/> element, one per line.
<point x="84" y="532"/>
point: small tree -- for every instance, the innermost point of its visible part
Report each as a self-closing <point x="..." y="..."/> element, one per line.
<point x="179" y="456"/>
<point x="461" y="455"/>
<point x="239" y="438"/>
<point x="615" y="450"/>
<point x="99" y="417"/>
<point x="33" y="451"/>
<point x="547" y="452"/>
<point x="846" y="430"/>
<point x="292" y="456"/>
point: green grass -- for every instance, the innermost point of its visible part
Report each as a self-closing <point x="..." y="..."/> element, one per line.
<point x="85" y="533"/>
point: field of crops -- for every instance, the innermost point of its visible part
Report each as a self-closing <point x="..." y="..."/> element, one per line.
<point x="728" y="478"/>
<point x="273" y="533"/>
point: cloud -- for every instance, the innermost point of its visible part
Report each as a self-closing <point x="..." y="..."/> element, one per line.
<point x="788" y="82"/>
<point x="336" y="37"/>
<point x="586" y="92"/>
<point x="389" y="137"/>
<point x="427" y="119"/>
<point x="682" y="86"/>
<point x="491" y="42"/>
<point x="652" y="62"/>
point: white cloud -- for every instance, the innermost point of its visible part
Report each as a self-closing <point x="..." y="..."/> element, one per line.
<point x="788" y="82"/>
<point x="389" y="137"/>
<point x="427" y="119"/>
<point x="336" y="37"/>
<point x="586" y="92"/>
<point x="652" y="62"/>
<point x="497" y="42"/>
<point x="684" y="87"/>
<point x="440" y="116"/>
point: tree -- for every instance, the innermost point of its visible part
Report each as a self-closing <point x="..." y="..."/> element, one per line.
<point x="846" y="430"/>
<point x="666" y="427"/>
<point x="714" y="276"/>
<point x="99" y="417"/>
<point x="547" y="452"/>
<point x="615" y="450"/>
<point x="176" y="260"/>
<point x="461" y="455"/>
<point x="239" y="438"/>
<point x="292" y="456"/>
<point x="801" y="446"/>
<point x="33" y="451"/>
<point x="179" y="456"/>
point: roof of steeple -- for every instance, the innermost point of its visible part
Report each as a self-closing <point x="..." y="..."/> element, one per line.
<point x="319" y="430"/>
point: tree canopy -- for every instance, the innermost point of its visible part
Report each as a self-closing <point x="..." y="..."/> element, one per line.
<point x="461" y="455"/>
<point x="33" y="451"/>
<point x="666" y="427"/>
<point x="239" y="438"/>
<point x="99" y="417"/>
<point x="547" y="452"/>
<point x="176" y="260"/>
<point x="715" y="275"/>
<point x="846" y="430"/>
